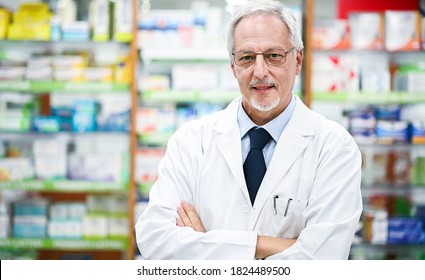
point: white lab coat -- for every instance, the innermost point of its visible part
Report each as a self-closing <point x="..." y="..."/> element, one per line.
<point x="316" y="164"/>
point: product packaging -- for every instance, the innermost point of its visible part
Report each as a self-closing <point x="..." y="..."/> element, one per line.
<point x="30" y="22"/>
<point x="30" y="218"/>
<point x="4" y="23"/>
<point x="402" y="30"/>
<point x="330" y="34"/>
<point x="118" y="226"/>
<point x="100" y="20"/>
<point x="123" y="20"/>
<point x="84" y="115"/>
<point x="16" y="169"/>
<point x="418" y="132"/>
<point x="367" y="31"/>
<point x="390" y="132"/>
<point x="338" y="73"/>
<point x="114" y="112"/>
<point x="194" y="77"/>
<point x="95" y="226"/>
<point x="376" y="226"/>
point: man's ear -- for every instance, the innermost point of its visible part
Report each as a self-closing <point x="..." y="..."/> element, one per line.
<point x="232" y="65"/>
<point x="299" y="58"/>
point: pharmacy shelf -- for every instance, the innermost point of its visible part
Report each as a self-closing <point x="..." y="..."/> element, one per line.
<point x="392" y="189"/>
<point x="375" y="251"/>
<point x="64" y="244"/>
<point x="184" y="54"/>
<point x="370" y="98"/>
<point x="63" y="186"/>
<point x="154" y="138"/>
<point x="173" y="96"/>
<point x="49" y="86"/>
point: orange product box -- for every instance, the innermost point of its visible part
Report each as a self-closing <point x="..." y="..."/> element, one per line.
<point x="402" y="30"/>
<point x="331" y="34"/>
<point x="367" y="31"/>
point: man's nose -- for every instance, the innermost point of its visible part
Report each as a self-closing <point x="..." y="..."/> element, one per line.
<point x="260" y="67"/>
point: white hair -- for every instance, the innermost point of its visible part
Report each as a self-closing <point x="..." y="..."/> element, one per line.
<point x="268" y="7"/>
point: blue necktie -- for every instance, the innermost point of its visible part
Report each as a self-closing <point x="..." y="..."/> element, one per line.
<point x="254" y="166"/>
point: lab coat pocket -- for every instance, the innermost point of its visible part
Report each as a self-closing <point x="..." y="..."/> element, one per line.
<point x="289" y="212"/>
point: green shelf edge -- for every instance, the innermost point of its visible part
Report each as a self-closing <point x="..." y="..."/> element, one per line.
<point x="188" y="96"/>
<point x="47" y="86"/>
<point x="368" y="98"/>
<point x="64" y="186"/>
<point x="63" y="244"/>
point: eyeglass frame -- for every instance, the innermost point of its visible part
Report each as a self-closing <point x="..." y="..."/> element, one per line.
<point x="261" y="53"/>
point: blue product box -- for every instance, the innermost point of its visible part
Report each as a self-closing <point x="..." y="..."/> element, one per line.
<point x="392" y="132"/>
<point x="401" y="223"/>
<point x="45" y="124"/>
<point x="84" y="115"/>
<point x="406" y="236"/>
<point x="33" y="207"/>
<point x="29" y="231"/>
<point x="388" y="113"/>
<point x="116" y="122"/>
<point x="64" y="115"/>
<point x="29" y="226"/>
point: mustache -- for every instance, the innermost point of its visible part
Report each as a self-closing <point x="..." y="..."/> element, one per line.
<point x="268" y="82"/>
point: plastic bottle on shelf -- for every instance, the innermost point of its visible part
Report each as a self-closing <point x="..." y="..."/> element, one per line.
<point x="67" y="10"/>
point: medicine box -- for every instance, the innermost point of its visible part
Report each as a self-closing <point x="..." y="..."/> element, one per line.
<point x="95" y="226"/>
<point x="336" y="73"/>
<point x="118" y="226"/>
<point x="391" y="132"/>
<point x="402" y="30"/>
<point x="58" y="228"/>
<point x="367" y="31"/>
<point x="418" y="132"/>
<point x="331" y="34"/>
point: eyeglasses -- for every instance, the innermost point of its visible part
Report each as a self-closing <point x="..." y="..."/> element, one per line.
<point x="272" y="57"/>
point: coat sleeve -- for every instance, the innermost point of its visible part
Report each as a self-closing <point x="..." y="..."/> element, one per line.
<point x="335" y="203"/>
<point x="158" y="236"/>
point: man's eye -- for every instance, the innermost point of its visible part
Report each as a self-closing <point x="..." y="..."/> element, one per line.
<point x="274" y="55"/>
<point x="246" y="58"/>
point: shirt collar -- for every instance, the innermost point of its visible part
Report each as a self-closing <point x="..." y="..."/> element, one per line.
<point x="273" y="127"/>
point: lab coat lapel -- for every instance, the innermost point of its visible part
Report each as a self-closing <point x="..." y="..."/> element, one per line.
<point x="292" y="142"/>
<point x="229" y="143"/>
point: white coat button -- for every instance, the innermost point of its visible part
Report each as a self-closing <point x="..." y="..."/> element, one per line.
<point x="245" y="209"/>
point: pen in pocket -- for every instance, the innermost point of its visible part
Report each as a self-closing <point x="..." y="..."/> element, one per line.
<point x="287" y="206"/>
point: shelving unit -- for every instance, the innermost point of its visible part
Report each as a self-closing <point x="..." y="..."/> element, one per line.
<point x="391" y="186"/>
<point x="66" y="190"/>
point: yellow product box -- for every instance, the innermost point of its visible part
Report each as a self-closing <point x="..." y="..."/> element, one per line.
<point x="31" y="13"/>
<point x="39" y="32"/>
<point x="123" y="70"/>
<point x="402" y="30"/>
<point x="4" y="22"/>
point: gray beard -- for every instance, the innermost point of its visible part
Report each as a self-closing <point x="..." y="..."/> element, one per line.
<point x="265" y="108"/>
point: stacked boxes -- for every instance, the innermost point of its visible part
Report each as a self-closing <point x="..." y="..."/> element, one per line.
<point x="106" y="217"/>
<point x="392" y="30"/>
<point x="30" y="218"/>
<point x="66" y="220"/>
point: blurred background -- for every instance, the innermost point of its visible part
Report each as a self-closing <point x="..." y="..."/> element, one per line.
<point x="91" y="90"/>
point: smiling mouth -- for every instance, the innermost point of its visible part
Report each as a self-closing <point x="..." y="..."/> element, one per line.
<point x="262" y="88"/>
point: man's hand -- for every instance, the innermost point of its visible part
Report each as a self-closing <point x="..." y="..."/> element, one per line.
<point x="188" y="217"/>
<point x="267" y="246"/>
